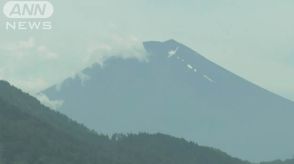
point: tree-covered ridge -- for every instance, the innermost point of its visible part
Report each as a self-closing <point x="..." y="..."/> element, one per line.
<point x="33" y="134"/>
<point x="27" y="140"/>
<point x="288" y="161"/>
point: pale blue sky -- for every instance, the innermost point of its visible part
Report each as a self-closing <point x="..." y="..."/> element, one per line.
<point x="252" y="38"/>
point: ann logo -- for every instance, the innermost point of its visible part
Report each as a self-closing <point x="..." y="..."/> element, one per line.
<point x="28" y="15"/>
<point x="28" y="9"/>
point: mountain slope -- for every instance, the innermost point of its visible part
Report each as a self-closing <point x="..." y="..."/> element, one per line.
<point x="30" y="135"/>
<point x="25" y="139"/>
<point x="34" y="134"/>
<point x="179" y="92"/>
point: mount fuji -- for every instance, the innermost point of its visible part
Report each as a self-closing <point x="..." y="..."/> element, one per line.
<point x="179" y="92"/>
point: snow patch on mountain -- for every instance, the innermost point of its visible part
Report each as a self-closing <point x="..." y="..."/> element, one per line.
<point x="208" y="78"/>
<point x="173" y="52"/>
<point x="189" y="66"/>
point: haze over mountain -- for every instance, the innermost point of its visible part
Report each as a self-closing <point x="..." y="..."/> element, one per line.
<point x="179" y="92"/>
<point x="33" y="134"/>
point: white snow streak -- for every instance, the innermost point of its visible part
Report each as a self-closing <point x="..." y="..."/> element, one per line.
<point x="172" y="52"/>
<point x="189" y="66"/>
<point x="208" y="78"/>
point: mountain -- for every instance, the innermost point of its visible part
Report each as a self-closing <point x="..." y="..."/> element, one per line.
<point x="33" y="134"/>
<point x="179" y="92"/>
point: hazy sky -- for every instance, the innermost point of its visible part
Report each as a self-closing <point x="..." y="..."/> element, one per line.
<point x="252" y="38"/>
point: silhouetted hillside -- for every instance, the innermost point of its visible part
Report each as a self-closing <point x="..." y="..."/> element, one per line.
<point x="289" y="161"/>
<point x="33" y="134"/>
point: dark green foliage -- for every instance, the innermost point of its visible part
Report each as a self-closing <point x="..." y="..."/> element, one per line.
<point x="163" y="149"/>
<point x="33" y="134"/>
<point x="26" y="139"/>
<point x="289" y="161"/>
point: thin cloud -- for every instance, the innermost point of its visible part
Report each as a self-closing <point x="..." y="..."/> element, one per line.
<point x="52" y="104"/>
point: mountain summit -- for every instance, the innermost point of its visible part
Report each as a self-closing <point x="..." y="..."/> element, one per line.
<point x="179" y="92"/>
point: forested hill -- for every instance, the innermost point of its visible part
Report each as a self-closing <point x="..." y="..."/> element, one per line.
<point x="289" y="161"/>
<point x="33" y="134"/>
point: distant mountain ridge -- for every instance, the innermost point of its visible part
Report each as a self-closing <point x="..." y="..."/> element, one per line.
<point x="181" y="93"/>
<point x="33" y="134"/>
